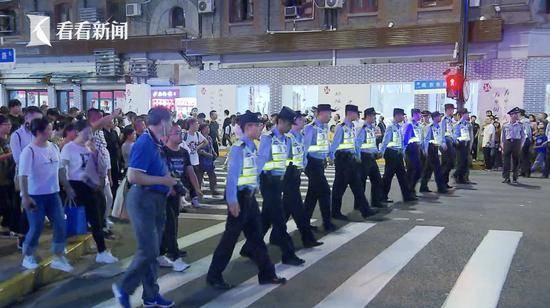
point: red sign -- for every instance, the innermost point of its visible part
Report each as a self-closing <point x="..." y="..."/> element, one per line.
<point x="165" y="97"/>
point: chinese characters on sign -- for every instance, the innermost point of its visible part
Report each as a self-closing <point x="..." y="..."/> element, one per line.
<point x="86" y="30"/>
<point x="165" y="97"/>
<point x="429" y="86"/>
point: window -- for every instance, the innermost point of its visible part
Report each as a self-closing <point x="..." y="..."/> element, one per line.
<point x="62" y="13"/>
<point x="117" y="10"/>
<point x="363" y="6"/>
<point x="104" y="100"/>
<point x="177" y="17"/>
<point x="254" y="98"/>
<point x="241" y="10"/>
<point x="30" y="97"/>
<point x="65" y="100"/>
<point x="304" y="8"/>
<point x="7" y="22"/>
<point x="434" y="3"/>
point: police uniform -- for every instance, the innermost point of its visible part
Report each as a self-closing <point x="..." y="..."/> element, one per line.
<point x="412" y="138"/>
<point x="546" y="170"/>
<point x="525" y="158"/>
<point x="392" y="150"/>
<point x="433" y="141"/>
<point x="242" y="182"/>
<point x="512" y="138"/>
<point x="292" y="198"/>
<point x="316" y="147"/>
<point x="449" y="155"/>
<point x="462" y="138"/>
<point x="343" y="152"/>
<point x="368" y="150"/>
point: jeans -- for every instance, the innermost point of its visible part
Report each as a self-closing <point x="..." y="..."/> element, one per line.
<point x="539" y="162"/>
<point x="50" y="205"/>
<point x="488" y="157"/>
<point x="146" y="209"/>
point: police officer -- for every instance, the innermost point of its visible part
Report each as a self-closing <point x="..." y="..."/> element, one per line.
<point x="292" y="198"/>
<point x="449" y="154"/>
<point x="512" y="138"/>
<point x="368" y="151"/>
<point x="525" y="158"/>
<point x="392" y="150"/>
<point x="272" y="158"/>
<point x="244" y="213"/>
<point x="343" y="152"/>
<point x="412" y="138"/>
<point x="433" y="141"/>
<point x="462" y="138"/>
<point x="316" y="146"/>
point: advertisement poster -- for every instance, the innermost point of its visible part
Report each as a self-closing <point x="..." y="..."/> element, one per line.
<point x="216" y="97"/>
<point x="184" y="105"/>
<point x="165" y="97"/>
<point x="138" y="98"/>
<point x="500" y="96"/>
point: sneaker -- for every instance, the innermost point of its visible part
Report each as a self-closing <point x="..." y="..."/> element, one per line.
<point x="121" y="296"/>
<point x="159" y="302"/>
<point x="185" y="203"/>
<point x="62" y="264"/>
<point x="29" y="262"/>
<point x="106" y="257"/>
<point x="179" y="265"/>
<point x="20" y="241"/>
<point x="165" y="262"/>
<point x="109" y="223"/>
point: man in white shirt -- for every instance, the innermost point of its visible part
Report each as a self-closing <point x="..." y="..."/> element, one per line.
<point x="488" y="142"/>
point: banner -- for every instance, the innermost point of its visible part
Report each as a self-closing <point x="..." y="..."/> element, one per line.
<point x="500" y="96"/>
<point x="165" y="97"/>
<point x="138" y="98"/>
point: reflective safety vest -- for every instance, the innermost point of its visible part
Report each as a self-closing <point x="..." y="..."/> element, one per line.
<point x="348" y="140"/>
<point x="436" y="135"/>
<point x="397" y="139"/>
<point x="249" y="173"/>
<point x="370" y="139"/>
<point x="449" y="128"/>
<point x="417" y="134"/>
<point x="321" y="143"/>
<point x="297" y="158"/>
<point x="464" y="134"/>
<point x="278" y="156"/>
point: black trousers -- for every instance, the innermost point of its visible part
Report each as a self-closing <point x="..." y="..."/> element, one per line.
<point x="474" y="148"/>
<point x="346" y="175"/>
<point x="525" y="158"/>
<point x="462" y="154"/>
<point x="169" y="243"/>
<point x="90" y="199"/>
<point x="414" y="165"/>
<point x="448" y="159"/>
<point x="511" y="153"/>
<point x="395" y="167"/>
<point x="546" y="170"/>
<point x="433" y="165"/>
<point x="10" y="210"/>
<point x="488" y="157"/>
<point x="317" y="190"/>
<point x="216" y="147"/>
<point x="369" y="169"/>
<point x="249" y="223"/>
<point x="292" y="202"/>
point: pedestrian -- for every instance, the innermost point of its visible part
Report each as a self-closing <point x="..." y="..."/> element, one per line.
<point x="369" y="153"/>
<point x="15" y="114"/>
<point x="344" y="154"/>
<point x="475" y="142"/>
<point x="512" y="138"/>
<point x="449" y="155"/>
<point x="40" y="172"/>
<point x="207" y="157"/>
<point x="146" y="206"/>
<point x="128" y="140"/>
<point x="546" y="170"/>
<point x="10" y="215"/>
<point x="540" y="149"/>
<point x="243" y="210"/>
<point x="214" y="131"/>
<point x="194" y="141"/>
<point x="316" y="146"/>
<point x="488" y="143"/>
<point x="462" y="140"/>
<point x="525" y="156"/>
<point x="498" y="147"/>
<point x="434" y="140"/>
<point x="292" y="198"/>
<point x="412" y="139"/>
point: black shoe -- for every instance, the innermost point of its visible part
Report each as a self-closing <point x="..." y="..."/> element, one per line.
<point x="340" y="216"/>
<point x="443" y="191"/>
<point x="294" y="261"/>
<point x="274" y="280"/>
<point x="387" y="200"/>
<point x="369" y="212"/>
<point x="311" y="243"/>
<point x="245" y="253"/>
<point x="515" y="181"/>
<point x="507" y="181"/>
<point x="20" y="241"/>
<point x="449" y="186"/>
<point x="425" y="190"/>
<point x="219" y="284"/>
<point x="411" y="199"/>
<point x="314" y="228"/>
<point x="182" y="253"/>
<point x="329" y="227"/>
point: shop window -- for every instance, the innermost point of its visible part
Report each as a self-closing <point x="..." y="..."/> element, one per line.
<point x="7" y="22"/>
<point x="304" y="9"/>
<point x="241" y="10"/>
<point x="363" y="6"/>
<point x="434" y="3"/>
<point x="65" y="100"/>
<point x="62" y="13"/>
<point x="30" y="97"/>
<point x="107" y="101"/>
<point x="177" y="17"/>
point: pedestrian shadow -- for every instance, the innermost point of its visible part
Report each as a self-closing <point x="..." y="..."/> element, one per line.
<point x="465" y="187"/>
<point x="526" y="186"/>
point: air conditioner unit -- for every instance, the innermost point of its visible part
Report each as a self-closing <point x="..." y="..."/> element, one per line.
<point x="291" y="11"/>
<point x="334" y="4"/>
<point x="206" y="6"/>
<point x="475" y="3"/>
<point x="133" y="9"/>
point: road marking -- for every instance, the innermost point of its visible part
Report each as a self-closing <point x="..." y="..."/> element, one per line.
<point x="203" y="216"/>
<point x="481" y="280"/>
<point x="365" y="284"/>
<point x="250" y="291"/>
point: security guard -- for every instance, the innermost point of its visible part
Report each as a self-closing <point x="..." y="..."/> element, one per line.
<point x="412" y="138"/>
<point x="433" y="141"/>
<point x="392" y="150"/>
<point x="272" y="157"/>
<point x="316" y="146"/>
<point x="244" y="213"/>
<point x="343" y="152"/>
<point x="525" y="157"/>
<point x="292" y="198"/>
<point x="463" y="137"/>
<point x="512" y="138"/>
<point x="449" y="154"/>
<point x="368" y="151"/>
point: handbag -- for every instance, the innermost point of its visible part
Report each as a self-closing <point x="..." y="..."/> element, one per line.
<point x="119" y="206"/>
<point x="76" y="219"/>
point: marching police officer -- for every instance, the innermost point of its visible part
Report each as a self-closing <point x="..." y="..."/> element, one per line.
<point x="449" y="154"/>
<point x="316" y="146"/>
<point x="292" y="198"/>
<point x="412" y="138"/>
<point x="512" y="138"/>
<point x="392" y="150"/>
<point x="433" y="141"/>
<point x="462" y="137"/>
<point x="272" y="157"/>
<point x="525" y="158"/>
<point x="343" y="152"/>
<point x="368" y="150"/>
<point x="244" y="213"/>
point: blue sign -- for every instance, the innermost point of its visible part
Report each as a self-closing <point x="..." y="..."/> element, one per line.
<point x="7" y="55"/>
<point x="429" y="84"/>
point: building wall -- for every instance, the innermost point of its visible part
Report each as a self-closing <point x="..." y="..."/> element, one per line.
<point x="537" y="73"/>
